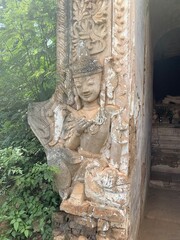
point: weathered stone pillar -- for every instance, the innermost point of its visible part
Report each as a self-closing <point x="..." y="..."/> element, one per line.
<point x="105" y="26"/>
<point x="87" y="127"/>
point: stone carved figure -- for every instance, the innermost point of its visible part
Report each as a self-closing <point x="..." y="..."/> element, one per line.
<point x="79" y="139"/>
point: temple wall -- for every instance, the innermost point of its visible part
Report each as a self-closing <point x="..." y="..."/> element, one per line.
<point x="142" y="111"/>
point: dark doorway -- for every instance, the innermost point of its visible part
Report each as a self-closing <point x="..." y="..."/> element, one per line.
<point x="166" y="78"/>
<point x="167" y="65"/>
<point x="165" y="165"/>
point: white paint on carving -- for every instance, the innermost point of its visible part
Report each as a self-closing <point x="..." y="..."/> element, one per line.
<point x="113" y="163"/>
<point x="58" y="121"/>
<point x="124" y="149"/>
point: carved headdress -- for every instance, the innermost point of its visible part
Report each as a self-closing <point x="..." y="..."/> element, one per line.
<point x="85" y="65"/>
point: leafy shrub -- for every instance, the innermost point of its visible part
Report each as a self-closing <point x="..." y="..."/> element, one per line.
<point x="27" y="73"/>
<point x="28" y="196"/>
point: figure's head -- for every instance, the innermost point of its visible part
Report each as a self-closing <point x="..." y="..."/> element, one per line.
<point x="87" y="74"/>
<point x="88" y="87"/>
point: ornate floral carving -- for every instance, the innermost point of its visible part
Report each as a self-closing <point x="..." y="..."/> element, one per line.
<point x="120" y="45"/>
<point x="90" y="18"/>
<point x="121" y="56"/>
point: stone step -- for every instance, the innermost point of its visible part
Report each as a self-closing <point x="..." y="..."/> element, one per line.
<point x="171" y="163"/>
<point x="158" y="184"/>
<point x="160" y="157"/>
<point x="165" y="177"/>
<point x="167" y="154"/>
<point x="165" y="169"/>
<point x="160" y="131"/>
<point x="168" y="145"/>
<point x="156" y="139"/>
<point x="166" y="150"/>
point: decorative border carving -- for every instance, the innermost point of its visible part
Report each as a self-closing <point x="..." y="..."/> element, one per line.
<point x="121" y="55"/>
<point x="63" y="34"/>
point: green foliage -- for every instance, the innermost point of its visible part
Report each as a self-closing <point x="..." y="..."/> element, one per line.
<point x="28" y="47"/>
<point x="27" y="60"/>
<point x="29" y="199"/>
<point x="27" y="73"/>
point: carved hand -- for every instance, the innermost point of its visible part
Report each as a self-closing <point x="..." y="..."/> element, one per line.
<point x="74" y="141"/>
<point x="82" y="124"/>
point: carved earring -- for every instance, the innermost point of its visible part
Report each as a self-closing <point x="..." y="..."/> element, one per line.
<point x="102" y="95"/>
<point x="77" y="100"/>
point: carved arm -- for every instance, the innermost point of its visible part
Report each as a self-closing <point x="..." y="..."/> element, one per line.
<point x="73" y="142"/>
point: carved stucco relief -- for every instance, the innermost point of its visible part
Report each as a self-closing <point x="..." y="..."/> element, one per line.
<point x="103" y="25"/>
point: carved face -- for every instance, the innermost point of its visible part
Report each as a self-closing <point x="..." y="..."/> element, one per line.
<point x="88" y="87"/>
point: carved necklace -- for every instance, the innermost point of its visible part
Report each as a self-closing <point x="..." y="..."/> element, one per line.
<point x="97" y="122"/>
